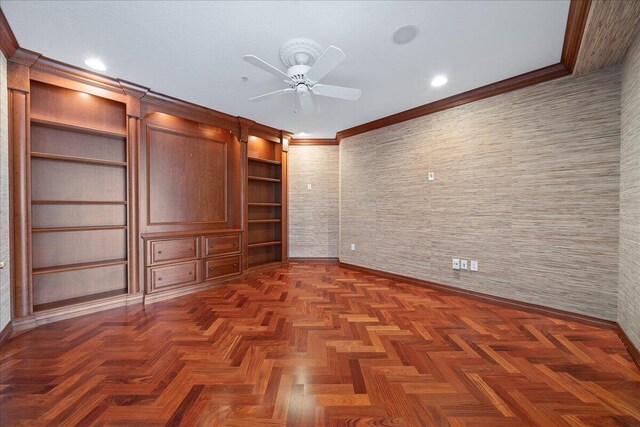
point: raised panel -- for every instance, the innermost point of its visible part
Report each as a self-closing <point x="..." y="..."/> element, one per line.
<point x="186" y="178"/>
<point x="174" y="275"/>
<point x="172" y="250"/>
<point x="221" y="244"/>
<point x="220" y="267"/>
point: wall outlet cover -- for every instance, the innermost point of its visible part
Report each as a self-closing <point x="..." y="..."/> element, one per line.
<point x="474" y="265"/>
<point x="463" y="264"/>
<point x="308" y="186"/>
<point x="455" y="264"/>
<point x="353" y="246"/>
<point x="431" y="176"/>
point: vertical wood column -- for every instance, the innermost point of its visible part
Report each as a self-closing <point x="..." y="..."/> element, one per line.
<point x="133" y="136"/>
<point x="285" y="140"/>
<point x="134" y="243"/>
<point x="244" y="172"/>
<point x="20" y="173"/>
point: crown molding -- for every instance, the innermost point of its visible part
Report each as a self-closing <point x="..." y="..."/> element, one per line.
<point x="576" y="22"/>
<point x="317" y="141"/>
<point x="8" y="42"/>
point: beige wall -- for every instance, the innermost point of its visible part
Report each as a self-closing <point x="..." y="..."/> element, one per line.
<point x="5" y="285"/>
<point x="527" y="183"/>
<point x="629" y="291"/>
<point x="313" y="214"/>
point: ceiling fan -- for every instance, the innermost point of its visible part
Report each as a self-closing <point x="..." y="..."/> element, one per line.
<point x="306" y="66"/>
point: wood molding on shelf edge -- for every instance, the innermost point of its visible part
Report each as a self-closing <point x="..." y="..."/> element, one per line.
<point x="507" y="303"/>
<point x="576" y="22"/>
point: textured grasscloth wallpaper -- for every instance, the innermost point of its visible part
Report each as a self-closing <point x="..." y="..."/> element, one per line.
<point x="629" y="298"/>
<point x="527" y="183"/>
<point x="313" y="214"/>
<point x="5" y="275"/>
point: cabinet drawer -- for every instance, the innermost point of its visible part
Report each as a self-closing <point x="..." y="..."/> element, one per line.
<point x="169" y="276"/>
<point x="218" y="267"/>
<point x="173" y="250"/>
<point x="221" y="244"/>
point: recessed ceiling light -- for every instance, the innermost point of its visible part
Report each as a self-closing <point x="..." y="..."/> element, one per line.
<point x="404" y="35"/>
<point x="439" y="81"/>
<point x="96" y="64"/>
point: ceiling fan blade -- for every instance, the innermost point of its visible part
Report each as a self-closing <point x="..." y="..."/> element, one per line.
<point x="306" y="103"/>
<point x="254" y="60"/>
<point x="327" y="62"/>
<point x="348" y="93"/>
<point x="266" y="95"/>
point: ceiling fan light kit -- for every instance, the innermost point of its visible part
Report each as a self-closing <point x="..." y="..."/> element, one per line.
<point x="306" y="65"/>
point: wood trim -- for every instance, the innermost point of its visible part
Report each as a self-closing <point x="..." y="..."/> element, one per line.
<point x="576" y="23"/>
<point x="6" y="333"/>
<point x="518" y="82"/>
<point x="478" y="296"/>
<point x="8" y="42"/>
<point x="631" y="348"/>
<point x="62" y="313"/>
<point x="189" y="233"/>
<point x="314" y="259"/>
<point x="317" y="141"/>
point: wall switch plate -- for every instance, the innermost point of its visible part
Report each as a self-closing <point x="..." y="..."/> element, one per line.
<point x="431" y="176"/>
<point x="455" y="264"/>
<point x="463" y="264"/>
<point x="353" y="246"/>
<point x="474" y="265"/>
<point x="308" y="186"/>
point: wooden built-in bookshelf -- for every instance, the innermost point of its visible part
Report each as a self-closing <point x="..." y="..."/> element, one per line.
<point x="79" y="197"/>
<point x="265" y="201"/>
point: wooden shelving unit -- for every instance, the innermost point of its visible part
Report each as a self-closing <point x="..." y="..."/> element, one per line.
<point x="79" y="207"/>
<point x="264" y="201"/>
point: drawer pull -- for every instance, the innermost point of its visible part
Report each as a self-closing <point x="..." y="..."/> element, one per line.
<point x="235" y="265"/>
<point x="210" y="268"/>
<point x="159" y="252"/>
<point x="235" y="243"/>
<point x="191" y="273"/>
<point x="190" y="248"/>
<point x="159" y="279"/>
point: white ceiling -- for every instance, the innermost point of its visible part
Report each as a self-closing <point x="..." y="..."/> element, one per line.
<point x="193" y="50"/>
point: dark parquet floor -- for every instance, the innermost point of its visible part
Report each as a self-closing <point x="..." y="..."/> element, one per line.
<point x="314" y="344"/>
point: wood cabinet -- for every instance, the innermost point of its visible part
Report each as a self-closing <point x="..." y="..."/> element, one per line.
<point x="165" y="255"/>
<point x="119" y="192"/>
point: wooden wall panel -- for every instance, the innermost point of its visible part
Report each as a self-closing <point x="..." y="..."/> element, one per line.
<point x="629" y="291"/>
<point x="60" y="180"/>
<point x="62" y="248"/>
<point x="62" y="286"/>
<point x="525" y="182"/>
<point x="313" y="214"/>
<point x="187" y="178"/>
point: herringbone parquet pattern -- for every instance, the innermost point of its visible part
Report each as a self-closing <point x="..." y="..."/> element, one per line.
<point x="314" y="344"/>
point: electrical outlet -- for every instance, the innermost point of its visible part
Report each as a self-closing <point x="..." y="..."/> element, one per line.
<point x="353" y="246"/>
<point x="431" y="176"/>
<point x="474" y="265"/>
<point x="455" y="264"/>
<point x="463" y="264"/>
<point x="308" y="186"/>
